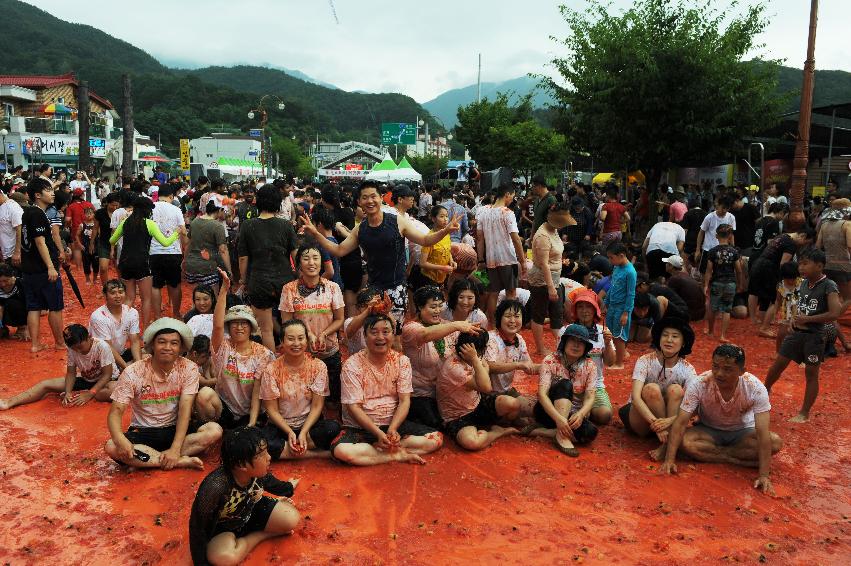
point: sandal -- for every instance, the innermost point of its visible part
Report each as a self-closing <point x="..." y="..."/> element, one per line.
<point x="572" y="451"/>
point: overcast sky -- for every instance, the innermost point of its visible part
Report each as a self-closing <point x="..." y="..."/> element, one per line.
<point x="418" y="48"/>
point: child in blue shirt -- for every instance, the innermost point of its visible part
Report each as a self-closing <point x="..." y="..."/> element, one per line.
<point x="620" y="299"/>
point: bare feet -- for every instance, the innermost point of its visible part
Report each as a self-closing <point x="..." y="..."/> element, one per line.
<point x="799" y="418"/>
<point x="190" y="462"/>
<point x="658" y="455"/>
<point x="410" y="458"/>
<point x="4" y="404"/>
<point x="767" y="333"/>
<point x="38" y="348"/>
<point x="616" y="366"/>
<point x="60" y="347"/>
<point x="723" y="340"/>
<point x="504" y="431"/>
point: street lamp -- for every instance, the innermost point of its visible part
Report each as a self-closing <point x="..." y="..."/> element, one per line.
<point x="425" y="139"/>
<point x="3" y="133"/>
<point x="264" y="117"/>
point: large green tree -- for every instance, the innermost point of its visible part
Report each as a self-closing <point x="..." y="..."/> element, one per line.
<point x="528" y="148"/>
<point x="476" y="120"/>
<point x="664" y="82"/>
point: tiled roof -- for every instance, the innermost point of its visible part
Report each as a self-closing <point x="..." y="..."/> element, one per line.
<point x="46" y="81"/>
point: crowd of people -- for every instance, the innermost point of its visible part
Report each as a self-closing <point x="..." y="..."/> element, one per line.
<point x="368" y="323"/>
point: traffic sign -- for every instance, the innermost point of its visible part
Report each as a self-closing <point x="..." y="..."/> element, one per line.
<point x="255" y="133"/>
<point x="398" y="133"/>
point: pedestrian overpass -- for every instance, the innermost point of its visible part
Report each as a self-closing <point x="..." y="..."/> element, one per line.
<point x="330" y="155"/>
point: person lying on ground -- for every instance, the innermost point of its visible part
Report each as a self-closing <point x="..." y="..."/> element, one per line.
<point x="427" y="341"/>
<point x="586" y="312"/>
<point x="566" y="392"/>
<point x="117" y="324"/>
<point x="160" y="391"/>
<point x="469" y="407"/>
<point x="293" y="389"/>
<point x="506" y="353"/>
<point x="230" y="514"/>
<point x="818" y="306"/>
<point x="236" y="364"/>
<point x="376" y="397"/>
<point x="734" y="425"/>
<point x="659" y="381"/>
<point x="90" y="373"/>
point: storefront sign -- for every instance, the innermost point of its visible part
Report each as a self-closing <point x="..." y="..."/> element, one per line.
<point x="184" y="154"/>
<point x="55" y="145"/>
<point x="349" y="174"/>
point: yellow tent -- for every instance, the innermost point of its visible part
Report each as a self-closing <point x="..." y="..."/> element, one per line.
<point x="603" y="178"/>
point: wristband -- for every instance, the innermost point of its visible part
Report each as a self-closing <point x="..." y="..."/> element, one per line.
<point x="92" y="391"/>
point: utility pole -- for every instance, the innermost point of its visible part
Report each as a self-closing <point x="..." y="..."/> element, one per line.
<point x="479" y="81"/>
<point x="84" y="154"/>
<point x="802" y="145"/>
<point x="128" y="137"/>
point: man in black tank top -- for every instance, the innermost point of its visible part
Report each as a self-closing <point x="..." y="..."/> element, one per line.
<point x="382" y="238"/>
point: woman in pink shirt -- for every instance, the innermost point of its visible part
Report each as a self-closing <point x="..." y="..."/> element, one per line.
<point x="293" y="389"/>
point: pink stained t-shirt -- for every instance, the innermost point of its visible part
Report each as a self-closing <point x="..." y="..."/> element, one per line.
<point x="294" y="388"/>
<point x="648" y="369"/>
<point x="498" y="351"/>
<point x="455" y="398"/>
<point x="316" y="309"/>
<point x="425" y="358"/>
<point x="375" y="389"/>
<point x="89" y="366"/>
<point x="583" y="374"/>
<point x="154" y="401"/>
<point x="704" y="397"/>
<point x="116" y="331"/>
<point x="496" y="225"/>
<point x="235" y="374"/>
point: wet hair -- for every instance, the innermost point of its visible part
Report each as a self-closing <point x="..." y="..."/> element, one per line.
<point x="268" y="199"/>
<point x="560" y="206"/>
<point x="366" y="294"/>
<point x="724" y="202"/>
<point x="642" y="300"/>
<point x="778" y="207"/>
<point x="578" y="274"/>
<point x="425" y="294"/>
<point x="35" y="186"/>
<point x="459" y="286"/>
<point x="479" y="340"/>
<point x="212" y="207"/>
<point x="74" y="334"/>
<point x="125" y="198"/>
<point x="808" y="233"/>
<point x="331" y="195"/>
<point x="435" y="210"/>
<point x="368" y="184"/>
<point x="508" y="305"/>
<point x="201" y="344"/>
<point x="205" y="290"/>
<point x="6" y="270"/>
<point x="723" y="230"/>
<point x="293" y="322"/>
<point x="616" y="248"/>
<point x="789" y="270"/>
<point x="304" y="248"/>
<point x="504" y="189"/>
<point x="374" y="319"/>
<point x="113" y="284"/>
<point x="731" y="351"/>
<point x="641" y="278"/>
<point x="323" y="216"/>
<point x="241" y="445"/>
<point x="812" y="254"/>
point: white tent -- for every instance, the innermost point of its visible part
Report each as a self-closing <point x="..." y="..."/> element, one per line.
<point x="387" y="170"/>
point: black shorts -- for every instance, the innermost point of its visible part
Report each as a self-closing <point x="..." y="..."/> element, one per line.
<point x="41" y="293"/>
<point x="334" y="364"/>
<point x="655" y="265"/>
<point x="762" y="283"/>
<point x="803" y="347"/>
<point x="228" y="420"/>
<point x="351" y="272"/>
<point x="838" y="277"/>
<point x="257" y="521"/>
<point x="503" y="277"/>
<point x="483" y="416"/>
<point x="134" y="271"/>
<point x="540" y="307"/>
<point x="424" y="411"/>
<point x="81" y="384"/>
<point x="322" y="433"/>
<point x="623" y="413"/>
<point x="166" y="269"/>
<point x="102" y="250"/>
<point x="704" y="261"/>
<point x="159" y="439"/>
<point x="263" y="294"/>
<point x="351" y="435"/>
<point x="564" y="390"/>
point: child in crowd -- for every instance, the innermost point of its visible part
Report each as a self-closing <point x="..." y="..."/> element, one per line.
<point x="90" y="373"/>
<point x="619" y="299"/>
<point x="84" y="241"/>
<point x="436" y="263"/>
<point x="368" y="302"/>
<point x="724" y="276"/>
<point x="787" y="299"/>
<point x="734" y="425"/>
<point x="230" y="515"/>
<point x="818" y="306"/>
<point x="200" y="354"/>
<point x="586" y="311"/>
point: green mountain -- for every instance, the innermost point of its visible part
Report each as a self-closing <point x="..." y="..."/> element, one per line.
<point x="831" y="87"/>
<point x="175" y="103"/>
<point x="445" y="106"/>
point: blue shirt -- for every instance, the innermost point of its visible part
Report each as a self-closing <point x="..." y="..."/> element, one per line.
<point x="338" y="278"/>
<point x="621" y="293"/>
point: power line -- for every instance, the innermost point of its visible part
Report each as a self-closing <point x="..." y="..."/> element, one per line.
<point x="334" y="11"/>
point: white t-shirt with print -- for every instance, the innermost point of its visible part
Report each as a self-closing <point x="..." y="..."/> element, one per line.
<point x="498" y="351"/>
<point x="11" y="214"/>
<point x="710" y="224"/>
<point x="90" y="365"/>
<point x="648" y="369"/>
<point x="169" y="219"/>
<point x="704" y="397"/>
<point x="496" y="225"/>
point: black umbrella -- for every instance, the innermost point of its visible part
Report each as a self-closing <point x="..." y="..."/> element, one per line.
<point x="73" y="284"/>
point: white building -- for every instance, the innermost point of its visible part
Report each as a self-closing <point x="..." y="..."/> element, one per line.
<point x="438" y="146"/>
<point x="220" y="151"/>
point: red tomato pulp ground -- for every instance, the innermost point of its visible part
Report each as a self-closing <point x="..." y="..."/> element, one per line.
<point x="519" y="501"/>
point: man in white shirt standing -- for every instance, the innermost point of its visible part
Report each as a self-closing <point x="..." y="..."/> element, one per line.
<point x="706" y="239"/>
<point x="166" y="262"/>
<point x="663" y="240"/>
<point x="11" y="214"/>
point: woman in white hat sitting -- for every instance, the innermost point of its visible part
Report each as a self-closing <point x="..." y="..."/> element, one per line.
<point x="236" y="363"/>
